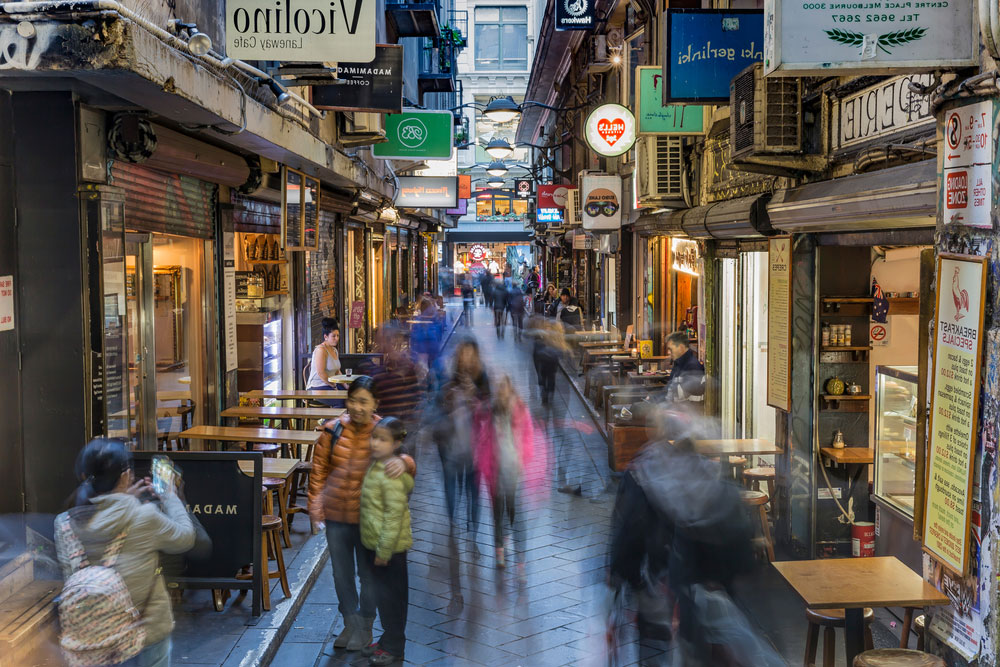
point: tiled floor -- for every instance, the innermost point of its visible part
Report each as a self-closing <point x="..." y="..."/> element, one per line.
<point x="551" y="610"/>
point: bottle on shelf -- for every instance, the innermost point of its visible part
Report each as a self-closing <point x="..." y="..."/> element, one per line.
<point x="825" y="333"/>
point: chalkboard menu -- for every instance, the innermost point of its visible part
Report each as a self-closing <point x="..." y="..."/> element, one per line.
<point x="227" y="503"/>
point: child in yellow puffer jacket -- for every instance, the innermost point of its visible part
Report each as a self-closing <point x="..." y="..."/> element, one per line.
<point x="386" y="535"/>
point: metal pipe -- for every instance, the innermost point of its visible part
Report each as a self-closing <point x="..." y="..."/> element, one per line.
<point x="213" y="58"/>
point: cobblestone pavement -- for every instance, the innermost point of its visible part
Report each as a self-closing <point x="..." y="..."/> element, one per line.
<point x="545" y="608"/>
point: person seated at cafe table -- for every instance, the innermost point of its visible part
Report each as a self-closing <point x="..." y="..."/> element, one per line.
<point x="687" y="375"/>
<point x="340" y="460"/>
<point x="326" y="361"/>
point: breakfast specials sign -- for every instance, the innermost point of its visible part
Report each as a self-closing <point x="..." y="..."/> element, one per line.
<point x="779" y="310"/>
<point x="961" y="285"/>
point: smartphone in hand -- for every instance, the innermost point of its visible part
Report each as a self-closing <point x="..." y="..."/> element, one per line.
<point x="165" y="475"/>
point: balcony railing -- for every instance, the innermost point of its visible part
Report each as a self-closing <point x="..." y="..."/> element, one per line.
<point x="413" y="19"/>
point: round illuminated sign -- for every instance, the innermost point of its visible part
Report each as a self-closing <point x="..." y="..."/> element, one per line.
<point x="477" y="252"/>
<point x="610" y="130"/>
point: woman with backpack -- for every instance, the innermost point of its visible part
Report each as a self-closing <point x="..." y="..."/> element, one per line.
<point x="114" y="607"/>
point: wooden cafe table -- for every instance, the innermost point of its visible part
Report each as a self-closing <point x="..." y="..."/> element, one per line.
<point x="295" y="394"/>
<point x="281" y="412"/>
<point x="250" y="434"/>
<point x="736" y="447"/>
<point x="855" y="583"/>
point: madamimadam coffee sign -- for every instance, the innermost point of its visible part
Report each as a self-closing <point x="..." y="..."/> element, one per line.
<point x="425" y="135"/>
<point x="301" y="30"/>
<point x="869" y="37"/>
<point x="373" y="87"/>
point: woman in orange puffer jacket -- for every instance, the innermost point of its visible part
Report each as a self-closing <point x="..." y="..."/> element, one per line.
<point x="340" y="460"/>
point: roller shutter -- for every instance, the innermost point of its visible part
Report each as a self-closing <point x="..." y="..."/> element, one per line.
<point x="157" y="201"/>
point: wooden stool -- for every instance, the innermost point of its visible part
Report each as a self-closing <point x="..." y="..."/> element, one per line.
<point x="271" y="527"/>
<point x="897" y="657"/>
<point x="758" y="499"/>
<point x="269" y="449"/>
<point x="909" y="622"/>
<point x="752" y="477"/>
<point x="830" y="619"/>
<point x="272" y="485"/>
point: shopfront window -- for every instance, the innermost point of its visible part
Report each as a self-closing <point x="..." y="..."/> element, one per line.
<point x="501" y="38"/>
<point x="500" y="208"/>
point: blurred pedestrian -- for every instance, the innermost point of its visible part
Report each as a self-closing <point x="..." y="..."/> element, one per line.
<point x="504" y="447"/>
<point x="499" y="307"/>
<point x="549" y="301"/>
<point x="548" y="346"/>
<point x="515" y="306"/>
<point x="486" y="284"/>
<point x="340" y="459"/>
<point x="534" y="281"/>
<point x="386" y="536"/>
<point x="117" y="522"/>
<point x="468" y="301"/>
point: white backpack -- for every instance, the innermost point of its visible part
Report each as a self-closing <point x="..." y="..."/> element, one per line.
<point x="100" y="624"/>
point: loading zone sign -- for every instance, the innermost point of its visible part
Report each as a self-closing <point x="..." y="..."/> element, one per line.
<point x="967" y="184"/>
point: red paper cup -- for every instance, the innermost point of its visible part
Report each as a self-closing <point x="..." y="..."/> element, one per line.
<point x="863" y="539"/>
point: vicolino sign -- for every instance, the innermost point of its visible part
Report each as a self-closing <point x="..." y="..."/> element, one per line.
<point x="426" y="135"/>
<point x="301" y="30"/>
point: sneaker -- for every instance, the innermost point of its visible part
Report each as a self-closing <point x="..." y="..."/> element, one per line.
<point x="370" y="650"/>
<point x="381" y="657"/>
<point x="571" y="490"/>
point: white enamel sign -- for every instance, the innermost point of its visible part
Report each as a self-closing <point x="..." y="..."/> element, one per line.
<point x="610" y="130"/>
<point x="830" y="38"/>
<point x="601" y="204"/>
<point x="967" y="181"/>
<point x="301" y="30"/>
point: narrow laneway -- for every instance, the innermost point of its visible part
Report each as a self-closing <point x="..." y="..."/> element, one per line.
<point x="551" y="613"/>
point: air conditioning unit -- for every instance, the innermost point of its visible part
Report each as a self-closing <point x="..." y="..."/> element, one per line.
<point x="765" y="121"/>
<point x="362" y="128"/>
<point x="660" y="171"/>
<point x="574" y="213"/>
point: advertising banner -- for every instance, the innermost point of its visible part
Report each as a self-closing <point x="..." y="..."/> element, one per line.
<point x="427" y="192"/>
<point x="574" y="14"/>
<point x="550" y="216"/>
<point x="464" y="186"/>
<point x="610" y="130"/>
<point x="887" y="108"/>
<point x="357" y="315"/>
<point x="652" y="116"/>
<point x="601" y="204"/>
<point x="779" y="317"/>
<point x="553" y="196"/>
<point x="461" y="209"/>
<point x="312" y="31"/>
<point x="854" y="38"/>
<point x="706" y="48"/>
<point x="375" y="87"/>
<point x="967" y="181"/>
<point x="424" y="135"/>
<point x="955" y="378"/>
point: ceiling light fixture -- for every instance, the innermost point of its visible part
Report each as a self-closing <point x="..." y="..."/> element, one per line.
<point x="499" y="148"/>
<point x="496" y="168"/>
<point x="496" y="182"/>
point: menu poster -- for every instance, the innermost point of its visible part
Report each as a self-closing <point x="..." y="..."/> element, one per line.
<point x="779" y="317"/>
<point x="229" y="299"/>
<point x="961" y="284"/>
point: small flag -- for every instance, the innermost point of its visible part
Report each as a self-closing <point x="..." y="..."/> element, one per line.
<point x="880" y="305"/>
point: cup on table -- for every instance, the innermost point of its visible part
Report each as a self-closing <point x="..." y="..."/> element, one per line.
<point x="348" y="372"/>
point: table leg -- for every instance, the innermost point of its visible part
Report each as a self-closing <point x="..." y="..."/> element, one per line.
<point x="854" y="632"/>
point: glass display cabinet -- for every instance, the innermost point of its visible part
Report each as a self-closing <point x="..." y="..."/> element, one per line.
<point x="896" y="436"/>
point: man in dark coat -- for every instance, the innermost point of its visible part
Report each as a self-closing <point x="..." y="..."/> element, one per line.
<point x="687" y="375"/>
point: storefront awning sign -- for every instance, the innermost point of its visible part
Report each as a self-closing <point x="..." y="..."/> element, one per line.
<point x="312" y="31"/>
<point x="575" y="14"/>
<point x="553" y="196"/>
<point x="654" y="117"/>
<point x="610" y="130"/>
<point x="601" y="201"/>
<point x="523" y="189"/>
<point x="427" y="192"/>
<point x="424" y="135"/>
<point x="706" y="48"/>
<point x="853" y="38"/>
<point x="376" y="86"/>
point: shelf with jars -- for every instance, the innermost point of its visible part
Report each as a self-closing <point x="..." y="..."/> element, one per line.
<point x="262" y="268"/>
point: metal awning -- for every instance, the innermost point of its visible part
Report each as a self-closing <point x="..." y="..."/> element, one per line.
<point x="895" y="198"/>
<point x="413" y="19"/>
<point x="745" y="217"/>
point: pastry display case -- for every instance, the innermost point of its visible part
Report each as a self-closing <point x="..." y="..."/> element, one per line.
<point x="896" y="436"/>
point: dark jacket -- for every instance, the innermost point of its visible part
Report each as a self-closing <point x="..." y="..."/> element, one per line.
<point x="515" y="300"/>
<point x="499" y="297"/>
<point x="571" y="315"/>
<point x="687" y="379"/>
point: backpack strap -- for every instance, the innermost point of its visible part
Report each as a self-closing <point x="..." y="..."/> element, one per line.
<point x="77" y="555"/>
<point x="334" y="437"/>
<point x="114" y="548"/>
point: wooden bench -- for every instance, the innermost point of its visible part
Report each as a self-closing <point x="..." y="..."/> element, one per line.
<point x="27" y="614"/>
<point x="626" y="441"/>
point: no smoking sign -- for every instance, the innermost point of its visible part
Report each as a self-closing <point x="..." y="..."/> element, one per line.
<point x="878" y="333"/>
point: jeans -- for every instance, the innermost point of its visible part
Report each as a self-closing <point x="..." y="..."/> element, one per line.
<point x="460" y="477"/>
<point x="392" y="590"/>
<point x="344" y="543"/>
<point x="154" y="655"/>
<point x="503" y="503"/>
<point x="332" y="402"/>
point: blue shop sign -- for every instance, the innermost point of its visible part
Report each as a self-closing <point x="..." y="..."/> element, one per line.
<point x="707" y="48"/>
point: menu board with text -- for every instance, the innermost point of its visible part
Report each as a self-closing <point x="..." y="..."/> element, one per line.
<point x="779" y="311"/>
<point x="961" y="282"/>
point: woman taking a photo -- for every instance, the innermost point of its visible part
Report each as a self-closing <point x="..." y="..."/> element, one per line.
<point x="340" y="461"/>
<point x="114" y="522"/>
<point x="326" y="361"/>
